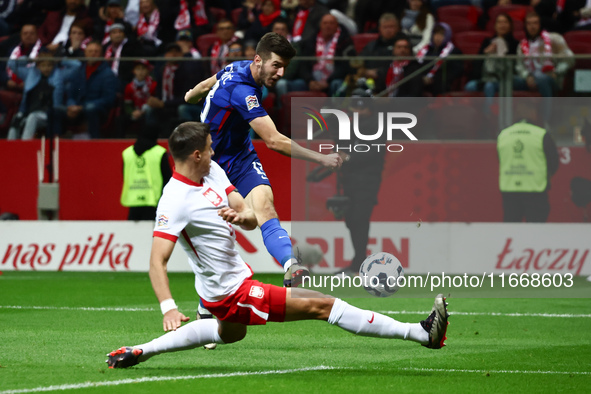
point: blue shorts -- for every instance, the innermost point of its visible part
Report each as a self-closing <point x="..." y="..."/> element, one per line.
<point x="249" y="176"/>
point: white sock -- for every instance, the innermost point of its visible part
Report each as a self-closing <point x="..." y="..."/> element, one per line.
<point x="192" y="335"/>
<point x="373" y="324"/>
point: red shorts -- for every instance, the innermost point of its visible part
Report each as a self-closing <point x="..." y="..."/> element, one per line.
<point x="254" y="303"/>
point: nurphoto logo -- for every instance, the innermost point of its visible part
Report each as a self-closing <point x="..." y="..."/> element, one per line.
<point x="389" y="122"/>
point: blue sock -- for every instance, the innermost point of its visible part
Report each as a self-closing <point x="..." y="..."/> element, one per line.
<point x="277" y="241"/>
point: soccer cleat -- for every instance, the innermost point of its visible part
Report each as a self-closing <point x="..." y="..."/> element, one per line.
<point x="436" y="323"/>
<point x="124" y="357"/>
<point x="208" y="346"/>
<point x="296" y="272"/>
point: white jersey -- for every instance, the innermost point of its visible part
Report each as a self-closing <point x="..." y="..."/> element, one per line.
<point x="189" y="211"/>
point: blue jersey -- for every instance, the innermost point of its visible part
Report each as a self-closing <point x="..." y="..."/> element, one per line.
<point x="231" y="104"/>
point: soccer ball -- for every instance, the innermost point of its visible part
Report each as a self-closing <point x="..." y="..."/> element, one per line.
<point x="379" y="273"/>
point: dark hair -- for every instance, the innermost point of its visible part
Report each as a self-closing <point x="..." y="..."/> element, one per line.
<point x="277" y="44"/>
<point x="280" y="19"/>
<point x="173" y="46"/>
<point x="81" y="25"/>
<point x="187" y="138"/>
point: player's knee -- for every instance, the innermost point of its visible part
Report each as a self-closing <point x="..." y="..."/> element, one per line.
<point x="231" y="336"/>
<point x="319" y="308"/>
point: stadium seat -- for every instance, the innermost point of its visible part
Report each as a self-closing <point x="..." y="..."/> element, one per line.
<point x="299" y="128"/>
<point x="205" y="41"/>
<point x="581" y="48"/>
<point x="466" y="12"/>
<point x="583" y="36"/>
<point x="469" y="41"/>
<point x="460" y="24"/>
<point x="236" y="15"/>
<point x="362" y="39"/>
<point x="515" y="11"/>
<point x="217" y="13"/>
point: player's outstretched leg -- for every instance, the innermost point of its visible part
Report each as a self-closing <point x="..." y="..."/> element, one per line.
<point x="436" y="323"/>
<point x="189" y="336"/>
<point x="307" y="304"/>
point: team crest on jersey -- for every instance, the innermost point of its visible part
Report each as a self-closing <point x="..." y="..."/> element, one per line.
<point x="252" y="102"/>
<point x="256" y="292"/>
<point x="213" y="197"/>
<point x="162" y="221"/>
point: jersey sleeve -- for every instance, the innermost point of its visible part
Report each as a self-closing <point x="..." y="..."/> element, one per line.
<point x="171" y="219"/>
<point x="247" y="101"/>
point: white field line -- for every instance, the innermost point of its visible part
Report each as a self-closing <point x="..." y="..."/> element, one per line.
<point x="453" y="313"/>
<point x="78" y="308"/>
<point x="122" y="309"/>
<point x="85" y="385"/>
<point x="275" y="372"/>
<point x="494" y="371"/>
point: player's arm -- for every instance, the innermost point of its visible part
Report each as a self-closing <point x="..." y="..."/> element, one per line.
<point x="161" y="251"/>
<point x="200" y="90"/>
<point x="276" y="141"/>
<point x="238" y="212"/>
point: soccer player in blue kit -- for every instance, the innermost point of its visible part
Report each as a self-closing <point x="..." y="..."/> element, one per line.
<point x="232" y="107"/>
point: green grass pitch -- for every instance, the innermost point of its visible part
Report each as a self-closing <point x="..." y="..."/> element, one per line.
<point x="55" y="329"/>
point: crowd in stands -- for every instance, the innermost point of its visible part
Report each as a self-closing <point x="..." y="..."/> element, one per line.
<point x="46" y="88"/>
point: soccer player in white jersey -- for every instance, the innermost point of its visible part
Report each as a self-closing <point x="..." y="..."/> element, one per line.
<point x="231" y="108"/>
<point x="198" y="208"/>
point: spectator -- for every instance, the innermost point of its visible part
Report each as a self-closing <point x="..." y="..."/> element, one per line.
<point x="184" y="39"/>
<point x="136" y="95"/>
<point x="77" y="41"/>
<point x="120" y="46"/>
<point x="250" y="12"/>
<point x="308" y="16"/>
<point x="91" y="91"/>
<point x="535" y="67"/>
<point x="528" y="158"/>
<point x="112" y="12"/>
<point x="146" y="171"/>
<point x="236" y="51"/>
<point x="439" y="78"/>
<point x="54" y="30"/>
<point x="250" y="49"/>
<point x="7" y="13"/>
<point x="132" y="12"/>
<point x="28" y="47"/>
<point x="400" y="69"/>
<point x="193" y="16"/>
<point x="389" y="30"/>
<point x="417" y="22"/>
<point x="487" y="74"/>
<point x="281" y="27"/>
<point x="43" y="91"/>
<point x="168" y="104"/>
<point x="325" y="75"/>
<point x="270" y="11"/>
<point x="367" y="12"/>
<point x="219" y="50"/>
<point x="148" y="26"/>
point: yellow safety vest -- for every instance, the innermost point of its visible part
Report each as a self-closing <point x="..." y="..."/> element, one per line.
<point x="142" y="177"/>
<point x="522" y="159"/>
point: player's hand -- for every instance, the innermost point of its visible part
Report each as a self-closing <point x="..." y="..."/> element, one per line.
<point x="333" y="161"/>
<point x="294" y="275"/>
<point x="173" y="320"/>
<point x="230" y="215"/>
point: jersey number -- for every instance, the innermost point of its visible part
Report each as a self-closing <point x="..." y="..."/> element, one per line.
<point x="258" y="167"/>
